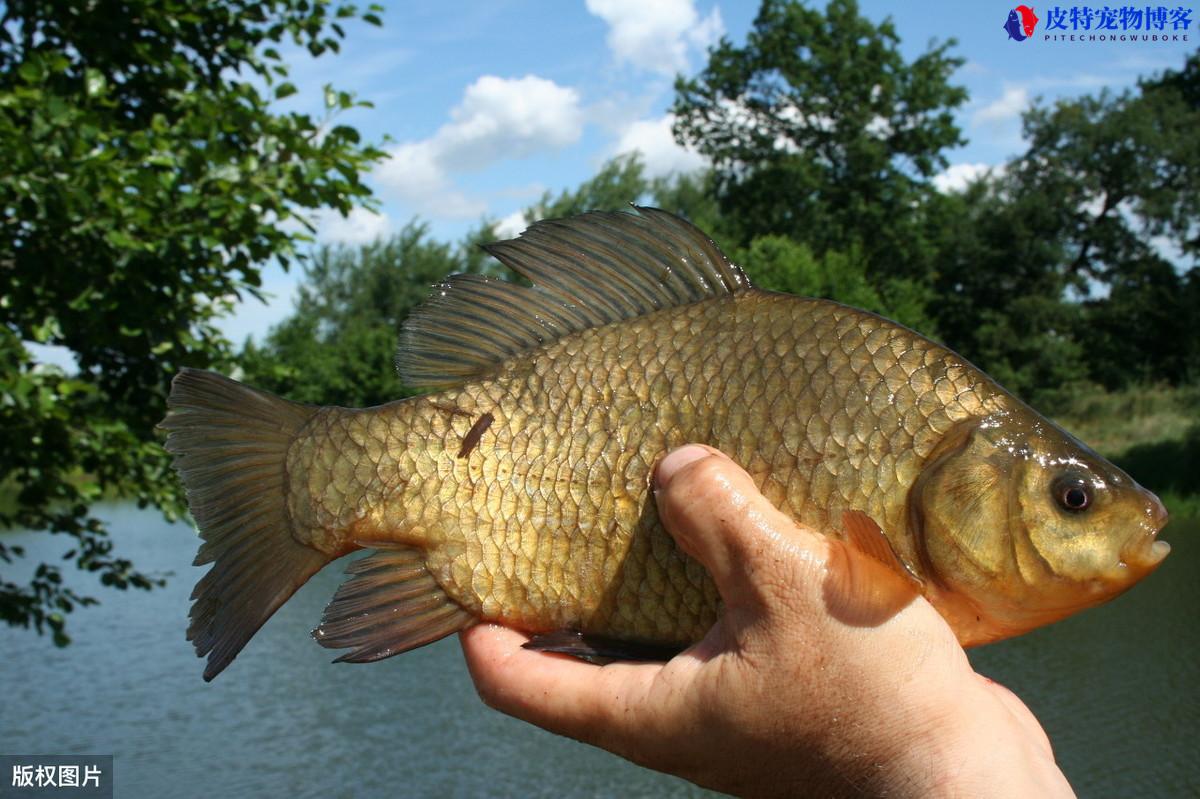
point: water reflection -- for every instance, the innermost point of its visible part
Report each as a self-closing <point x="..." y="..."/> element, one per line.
<point x="1116" y="689"/>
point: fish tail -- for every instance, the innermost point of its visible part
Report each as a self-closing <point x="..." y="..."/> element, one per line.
<point x="230" y="443"/>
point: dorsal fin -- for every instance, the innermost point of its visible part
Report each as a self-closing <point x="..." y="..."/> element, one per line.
<point x="587" y="271"/>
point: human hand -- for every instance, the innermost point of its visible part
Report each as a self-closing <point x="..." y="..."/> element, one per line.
<point x="781" y="697"/>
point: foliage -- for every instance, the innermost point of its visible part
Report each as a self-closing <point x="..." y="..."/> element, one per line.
<point x="1151" y="431"/>
<point x="144" y="180"/>
<point x="1000" y="290"/>
<point x="619" y="182"/>
<point x="1077" y="261"/>
<point x="338" y="345"/>
<point x="622" y="181"/>
<point x="821" y="131"/>
<point x="1147" y="328"/>
<point x="1139" y="157"/>
<point x="781" y="264"/>
<point x="1113" y="422"/>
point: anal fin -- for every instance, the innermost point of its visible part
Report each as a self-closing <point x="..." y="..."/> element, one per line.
<point x="597" y="648"/>
<point x="390" y="604"/>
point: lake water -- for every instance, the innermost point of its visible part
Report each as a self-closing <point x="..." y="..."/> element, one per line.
<point x="1117" y="688"/>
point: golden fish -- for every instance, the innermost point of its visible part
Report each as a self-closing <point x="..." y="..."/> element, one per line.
<point x="519" y="491"/>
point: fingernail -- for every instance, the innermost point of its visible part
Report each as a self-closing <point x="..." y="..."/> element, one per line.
<point x="676" y="460"/>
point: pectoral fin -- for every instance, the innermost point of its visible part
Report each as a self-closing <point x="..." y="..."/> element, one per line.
<point x="866" y="582"/>
<point x="865" y="535"/>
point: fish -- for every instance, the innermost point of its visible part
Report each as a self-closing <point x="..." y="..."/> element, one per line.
<point x="1014" y="27"/>
<point x="517" y="490"/>
<point x="1029" y="20"/>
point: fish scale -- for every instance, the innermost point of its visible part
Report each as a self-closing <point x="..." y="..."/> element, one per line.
<point x="519" y="489"/>
<point x="544" y="524"/>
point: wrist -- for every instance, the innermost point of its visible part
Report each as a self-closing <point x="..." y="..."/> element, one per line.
<point x="976" y="744"/>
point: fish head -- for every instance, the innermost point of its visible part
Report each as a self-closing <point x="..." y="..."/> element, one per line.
<point x="1020" y="525"/>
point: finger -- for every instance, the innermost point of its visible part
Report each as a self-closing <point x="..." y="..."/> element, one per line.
<point x="717" y="515"/>
<point x="594" y="704"/>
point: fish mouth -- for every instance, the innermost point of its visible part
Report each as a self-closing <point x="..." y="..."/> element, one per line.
<point x="1144" y="551"/>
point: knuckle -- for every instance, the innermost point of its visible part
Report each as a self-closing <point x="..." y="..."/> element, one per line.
<point x="703" y="479"/>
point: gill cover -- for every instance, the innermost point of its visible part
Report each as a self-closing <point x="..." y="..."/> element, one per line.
<point x="961" y="510"/>
<point x="1019" y="525"/>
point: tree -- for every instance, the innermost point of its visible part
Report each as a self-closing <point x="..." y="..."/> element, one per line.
<point x="1077" y="260"/>
<point x="1147" y="329"/>
<point x="1124" y="168"/>
<point x="144" y="180"/>
<point x="781" y="264"/>
<point x="338" y="346"/>
<point x="694" y="197"/>
<point x="1136" y="158"/>
<point x="821" y="131"/>
<point x="1000" y="289"/>
<point x="620" y="181"/>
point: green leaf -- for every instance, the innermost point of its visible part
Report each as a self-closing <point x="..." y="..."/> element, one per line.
<point x="142" y="213"/>
<point x="95" y="82"/>
<point x="31" y="71"/>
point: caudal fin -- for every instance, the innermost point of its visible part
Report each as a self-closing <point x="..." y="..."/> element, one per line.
<point x="230" y="443"/>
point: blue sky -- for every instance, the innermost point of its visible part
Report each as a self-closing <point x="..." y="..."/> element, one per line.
<point x="489" y="103"/>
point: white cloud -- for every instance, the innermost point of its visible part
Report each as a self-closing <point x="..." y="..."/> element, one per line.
<point x="509" y="118"/>
<point x="656" y="35"/>
<point x="1006" y="108"/>
<point x="512" y="225"/>
<point x="956" y="177"/>
<point x="497" y="119"/>
<point x="653" y="139"/>
<point x="414" y="172"/>
<point x="360" y="227"/>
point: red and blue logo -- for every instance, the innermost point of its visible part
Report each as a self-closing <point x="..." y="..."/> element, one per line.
<point x="1021" y="22"/>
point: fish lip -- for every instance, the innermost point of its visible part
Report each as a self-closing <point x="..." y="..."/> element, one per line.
<point x="1144" y="551"/>
<point x="1158" y="513"/>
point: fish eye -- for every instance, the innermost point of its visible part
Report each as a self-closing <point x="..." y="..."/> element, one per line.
<point x="1072" y="494"/>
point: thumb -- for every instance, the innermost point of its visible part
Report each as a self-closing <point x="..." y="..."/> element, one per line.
<point x="715" y="513"/>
